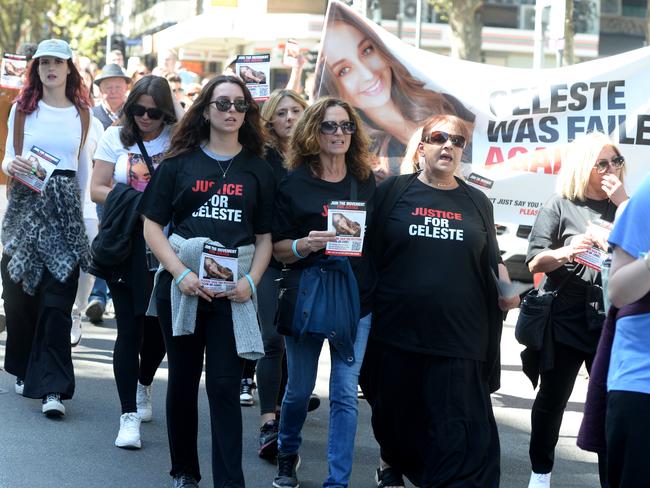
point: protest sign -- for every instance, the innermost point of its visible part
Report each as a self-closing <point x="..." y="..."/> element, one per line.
<point x="255" y="70"/>
<point x="521" y="119"/>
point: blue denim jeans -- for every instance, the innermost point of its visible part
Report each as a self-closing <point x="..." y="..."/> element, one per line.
<point x="302" y="364"/>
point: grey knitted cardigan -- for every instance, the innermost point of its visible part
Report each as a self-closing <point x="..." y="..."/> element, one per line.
<point x="248" y="338"/>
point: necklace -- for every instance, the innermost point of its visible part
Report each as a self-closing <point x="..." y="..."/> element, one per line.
<point x="225" y="172"/>
<point x="436" y="184"/>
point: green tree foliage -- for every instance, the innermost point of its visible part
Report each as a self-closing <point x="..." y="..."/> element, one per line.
<point x="78" y="22"/>
<point x="464" y="17"/>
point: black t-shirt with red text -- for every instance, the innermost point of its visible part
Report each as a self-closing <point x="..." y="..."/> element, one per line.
<point x="301" y="206"/>
<point x="241" y="207"/>
<point x="431" y="291"/>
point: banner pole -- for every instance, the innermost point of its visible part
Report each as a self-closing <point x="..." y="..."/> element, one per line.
<point x="418" y="23"/>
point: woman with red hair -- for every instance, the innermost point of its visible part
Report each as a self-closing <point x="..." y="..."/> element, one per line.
<point x="43" y="235"/>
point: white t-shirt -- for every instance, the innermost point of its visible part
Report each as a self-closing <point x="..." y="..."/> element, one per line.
<point x="130" y="166"/>
<point x="56" y="131"/>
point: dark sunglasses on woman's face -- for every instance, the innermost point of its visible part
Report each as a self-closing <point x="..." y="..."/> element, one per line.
<point x="616" y="163"/>
<point x="224" y="104"/>
<point x="153" y="113"/>
<point x="439" y="137"/>
<point x="329" y="127"/>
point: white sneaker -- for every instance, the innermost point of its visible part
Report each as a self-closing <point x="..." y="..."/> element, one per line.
<point x="540" y="480"/>
<point x="19" y="387"/>
<point x="52" y="405"/>
<point x="143" y="401"/>
<point x="75" y="332"/>
<point x="129" y="435"/>
<point x="246" y="390"/>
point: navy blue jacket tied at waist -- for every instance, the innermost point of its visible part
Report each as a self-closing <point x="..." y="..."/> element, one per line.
<point x="328" y="305"/>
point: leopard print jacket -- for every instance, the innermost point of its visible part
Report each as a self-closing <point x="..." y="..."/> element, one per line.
<point x="45" y="231"/>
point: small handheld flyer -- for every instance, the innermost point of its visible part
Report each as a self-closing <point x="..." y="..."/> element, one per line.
<point x="12" y="70"/>
<point x="255" y="71"/>
<point x="348" y="220"/>
<point x="218" y="269"/>
<point x="43" y="165"/>
<point x="592" y="258"/>
<point x="291" y="53"/>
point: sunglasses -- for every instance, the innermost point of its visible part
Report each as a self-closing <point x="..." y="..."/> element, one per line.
<point x="223" y="105"/>
<point x="439" y="137"/>
<point x="328" y="127"/>
<point x="153" y="113"/>
<point x="616" y="163"/>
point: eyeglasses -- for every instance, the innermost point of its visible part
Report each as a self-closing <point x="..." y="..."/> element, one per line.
<point x="616" y="163"/>
<point x="153" y="113"/>
<point x="329" y="127"/>
<point x="439" y="137"/>
<point x="224" y="104"/>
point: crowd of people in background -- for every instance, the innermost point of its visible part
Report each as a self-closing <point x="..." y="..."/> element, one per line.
<point x="154" y="166"/>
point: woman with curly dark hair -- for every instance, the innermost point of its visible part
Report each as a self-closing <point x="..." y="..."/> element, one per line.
<point x="214" y="188"/>
<point x="43" y="234"/>
<point x="328" y="161"/>
<point x="127" y="155"/>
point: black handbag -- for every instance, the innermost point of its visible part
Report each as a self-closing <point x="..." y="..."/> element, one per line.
<point x="535" y="313"/>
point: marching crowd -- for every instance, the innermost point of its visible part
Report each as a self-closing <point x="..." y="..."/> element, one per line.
<point x="151" y="177"/>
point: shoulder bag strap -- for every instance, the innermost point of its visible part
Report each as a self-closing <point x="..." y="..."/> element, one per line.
<point x="144" y="153"/>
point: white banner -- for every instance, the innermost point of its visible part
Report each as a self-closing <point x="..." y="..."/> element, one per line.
<point x="522" y="118"/>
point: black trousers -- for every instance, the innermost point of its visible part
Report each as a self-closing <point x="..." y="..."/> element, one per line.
<point x="432" y="417"/>
<point x="555" y="389"/>
<point x="38" y="333"/>
<point x="628" y="439"/>
<point x="213" y="336"/>
<point x="139" y="347"/>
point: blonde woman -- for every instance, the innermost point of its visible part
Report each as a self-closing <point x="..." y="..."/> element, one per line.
<point x="280" y="114"/>
<point x="589" y="190"/>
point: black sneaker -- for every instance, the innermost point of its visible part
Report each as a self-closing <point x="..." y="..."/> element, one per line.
<point x="314" y="402"/>
<point x="246" y="390"/>
<point x="269" y="440"/>
<point x="184" y="481"/>
<point x="287" y="466"/>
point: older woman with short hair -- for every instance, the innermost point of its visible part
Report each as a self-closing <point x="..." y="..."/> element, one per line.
<point x="589" y="188"/>
<point x="328" y="161"/>
<point x="437" y="322"/>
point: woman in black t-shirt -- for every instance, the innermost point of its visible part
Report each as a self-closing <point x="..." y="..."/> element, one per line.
<point x="212" y="187"/>
<point x="589" y="188"/>
<point x="330" y="295"/>
<point x="281" y="113"/>
<point x="436" y="322"/>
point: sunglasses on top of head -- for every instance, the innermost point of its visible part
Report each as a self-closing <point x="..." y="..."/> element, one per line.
<point x="224" y="104"/>
<point x="153" y="113"/>
<point x="616" y="163"/>
<point x="440" y="137"/>
<point x="329" y="127"/>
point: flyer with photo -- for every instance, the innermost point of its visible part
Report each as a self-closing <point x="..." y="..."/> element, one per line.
<point x="348" y="220"/>
<point x="43" y="165"/>
<point x="593" y="258"/>
<point x="12" y="70"/>
<point x="291" y="53"/>
<point x="218" y="268"/>
<point x="255" y="71"/>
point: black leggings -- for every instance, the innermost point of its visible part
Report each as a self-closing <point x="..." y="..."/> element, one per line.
<point x="628" y="439"/>
<point x="548" y="409"/>
<point x="139" y="347"/>
<point x="213" y="336"/>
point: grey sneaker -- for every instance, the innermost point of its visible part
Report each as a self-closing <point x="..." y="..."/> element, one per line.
<point x="288" y="464"/>
<point x="184" y="481"/>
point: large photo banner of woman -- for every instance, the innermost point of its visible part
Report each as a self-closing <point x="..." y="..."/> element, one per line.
<point x="521" y="119"/>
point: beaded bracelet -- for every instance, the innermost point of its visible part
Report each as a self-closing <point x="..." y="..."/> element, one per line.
<point x="182" y="276"/>
<point x="294" y="248"/>
<point x="251" y="283"/>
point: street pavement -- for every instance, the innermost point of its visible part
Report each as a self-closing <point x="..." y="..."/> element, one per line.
<point x="78" y="451"/>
